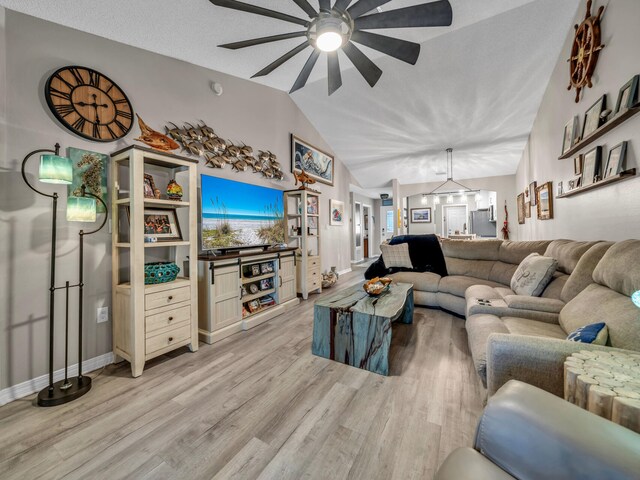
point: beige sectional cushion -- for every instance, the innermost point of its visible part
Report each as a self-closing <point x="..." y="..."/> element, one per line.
<point x="597" y="303"/>
<point x="479" y="327"/>
<point x="474" y="250"/>
<point x="554" y="289"/>
<point x="538" y="304"/>
<point x="422" y="281"/>
<point x="523" y="326"/>
<point x="502" y="272"/>
<point x="469" y="268"/>
<point x="483" y="291"/>
<point x="582" y="275"/>
<point x="515" y="252"/>
<point x="457" y="285"/>
<point x="567" y="253"/>
<point x="533" y="275"/>
<point x="619" y="268"/>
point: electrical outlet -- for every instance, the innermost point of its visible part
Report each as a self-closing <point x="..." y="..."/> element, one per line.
<point x="102" y="314"/>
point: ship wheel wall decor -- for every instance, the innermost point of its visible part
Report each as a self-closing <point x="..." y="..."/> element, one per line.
<point x="584" y="51"/>
<point x="330" y="29"/>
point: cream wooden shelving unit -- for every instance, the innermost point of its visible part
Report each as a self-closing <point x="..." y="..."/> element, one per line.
<point x="150" y="320"/>
<point x="302" y="212"/>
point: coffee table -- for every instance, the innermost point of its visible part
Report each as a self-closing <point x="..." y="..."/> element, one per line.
<point x="355" y="329"/>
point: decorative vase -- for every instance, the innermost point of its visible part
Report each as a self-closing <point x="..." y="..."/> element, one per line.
<point x="157" y="194"/>
<point x="174" y="191"/>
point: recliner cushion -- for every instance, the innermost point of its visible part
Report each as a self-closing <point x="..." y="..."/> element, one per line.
<point x="567" y="253"/>
<point x="582" y="275"/>
<point x="458" y="284"/>
<point x="619" y="268"/>
<point x="469" y="464"/>
<point x="422" y="281"/>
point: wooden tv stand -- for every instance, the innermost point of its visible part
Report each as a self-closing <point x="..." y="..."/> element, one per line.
<point x="223" y="306"/>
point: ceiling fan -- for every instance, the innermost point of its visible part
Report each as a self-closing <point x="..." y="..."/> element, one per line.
<point x="338" y="27"/>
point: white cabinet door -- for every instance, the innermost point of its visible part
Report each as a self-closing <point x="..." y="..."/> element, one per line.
<point x="287" y="273"/>
<point x="225" y="305"/>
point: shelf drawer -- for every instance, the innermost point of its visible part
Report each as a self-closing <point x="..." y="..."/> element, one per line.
<point x="166" y="297"/>
<point x="162" y="320"/>
<point x="313" y="262"/>
<point x="313" y="274"/>
<point x="166" y="339"/>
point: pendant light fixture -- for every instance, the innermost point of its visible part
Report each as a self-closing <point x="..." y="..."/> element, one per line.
<point x="453" y="187"/>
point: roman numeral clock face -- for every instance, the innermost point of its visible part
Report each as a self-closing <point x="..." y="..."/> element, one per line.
<point x="89" y="104"/>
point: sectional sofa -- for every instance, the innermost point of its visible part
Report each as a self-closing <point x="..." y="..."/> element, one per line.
<point x="523" y="337"/>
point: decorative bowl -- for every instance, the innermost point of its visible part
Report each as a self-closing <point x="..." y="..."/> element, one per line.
<point x="377" y="286"/>
<point x="160" y="272"/>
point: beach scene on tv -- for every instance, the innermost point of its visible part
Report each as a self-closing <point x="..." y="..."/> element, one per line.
<point x="239" y="214"/>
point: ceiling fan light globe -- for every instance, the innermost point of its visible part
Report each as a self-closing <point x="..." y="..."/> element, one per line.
<point x="329" y="41"/>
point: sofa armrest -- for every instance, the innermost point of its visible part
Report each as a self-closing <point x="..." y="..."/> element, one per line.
<point x="538" y="361"/>
<point x="538" y="304"/>
<point x="531" y="434"/>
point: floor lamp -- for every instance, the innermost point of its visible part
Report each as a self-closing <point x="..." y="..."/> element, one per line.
<point x="59" y="170"/>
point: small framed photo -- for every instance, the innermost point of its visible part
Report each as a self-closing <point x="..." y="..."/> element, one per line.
<point x="265" y="284"/>
<point x="591" y="166"/>
<point x="545" y="201"/>
<point x="527" y="209"/>
<point x="521" y="214"/>
<point x="312" y="205"/>
<point x="560" y="189"/>
<point x="421" y="215"/>
<point x="266" y="268"/>
<point x="577" y="165"/>
<point x="615" y="162"/>
<point x="592" y="119"/>
<point x="628" y="95"/>
<point x="532" y="193"/>
<point x="336" y="212"/>
<point x="255" y="270"/>
<point x="149" y="186"/>
<point x="570" y="135"/>
<point x="313" y="222"/>
<point x="254" y="306"/>
<point x="160" y="225"/>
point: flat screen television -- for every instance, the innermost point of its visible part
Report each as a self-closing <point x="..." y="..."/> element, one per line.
<point x="236" y="214"/>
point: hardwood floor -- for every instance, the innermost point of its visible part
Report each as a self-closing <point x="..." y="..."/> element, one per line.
<point x="260" y="405"/>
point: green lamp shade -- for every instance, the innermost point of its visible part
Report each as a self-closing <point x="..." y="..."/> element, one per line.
<point x="81" y="209"/>
<point x="55" y="169"/>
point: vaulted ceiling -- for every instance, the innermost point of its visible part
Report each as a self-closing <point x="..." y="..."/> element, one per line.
<point x="476" y="87"/>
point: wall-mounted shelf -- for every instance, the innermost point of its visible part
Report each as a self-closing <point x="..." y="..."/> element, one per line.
<point x="607" y="127"/>
<point x="627" y="174"/>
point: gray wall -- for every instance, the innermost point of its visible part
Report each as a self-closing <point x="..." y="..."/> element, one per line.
<point x="161" y="89"/>
<point x="613" y="212"/>
<point x="504" y="186"/>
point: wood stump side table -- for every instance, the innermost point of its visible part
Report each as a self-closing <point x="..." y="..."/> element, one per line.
<point x="605" y="383"/>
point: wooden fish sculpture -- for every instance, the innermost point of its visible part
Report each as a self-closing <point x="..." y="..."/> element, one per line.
<point x="214" y="145"/>
<point x="262" y="155"/>
<point x="178" y="134"/>
<point x="213" y="161"/>
<point x="277" y="174"/>
<point x="156" y="140"/>
<point x="246" y="150"/>
<point x="207" y="131"/>
<point x="304" y="179"/>
<point x="240" y="165"/>
<point x="233" y="151"/>
<point x="275" y="165"/>
<point x="193" y="132"/>
<point x="196" y="148"/>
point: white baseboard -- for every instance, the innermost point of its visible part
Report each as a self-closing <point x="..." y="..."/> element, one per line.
<point x="343" y="272"/>
<point x="36" y="384"/>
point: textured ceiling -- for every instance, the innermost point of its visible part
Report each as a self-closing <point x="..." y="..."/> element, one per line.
<point x="476" y="86"/>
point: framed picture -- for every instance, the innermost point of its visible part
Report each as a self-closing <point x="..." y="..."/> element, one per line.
<point x="628" y="95"/>
<point x="560" y="189"/>
<point x="577" y="165"/>
<point x="255" y="270"/>
<point x="532" y="193"/>
<point x="575" y="182"/>
<point x="312" y="205"/>
<point x="313" y="161"/>
<point x="421" y="215"/>
<point x="521" y="216"/>
<point x="336" y="212"/>
<point x="161" y="224"/>
<point x="545" y="201"/>
<point x="265" y="284"/>
<point x="527" y="209"/>
<point x="313" y="222"/>
<point x="570" y="135"/>
<point x="591" y="166"/>
<point x="615" y="162"/>
<point x="90" y="170"/>
<point x="149" y="186"/>
<point x="592" y="118"/>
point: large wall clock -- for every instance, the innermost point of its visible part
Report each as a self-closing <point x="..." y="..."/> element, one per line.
<point x="89" y="104"/>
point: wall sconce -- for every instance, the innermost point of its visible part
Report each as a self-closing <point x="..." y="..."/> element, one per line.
<point x="436" y="200"/>
<point x="425" y="199"/>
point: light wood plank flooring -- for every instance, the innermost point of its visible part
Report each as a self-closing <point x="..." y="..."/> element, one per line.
<point x="260" y="405"/>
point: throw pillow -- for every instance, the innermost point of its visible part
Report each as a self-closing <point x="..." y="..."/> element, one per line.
<point x="596" y="333"/>
<point x="396" y="255"/>
<point x="533" y="275"/>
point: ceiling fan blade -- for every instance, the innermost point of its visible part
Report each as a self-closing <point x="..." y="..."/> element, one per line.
<point x="261" y="40"/>
<point x="308" y="9"/>
<point x="364" y="6"/>
<point x="306" y="71"/>
<point x="341" y="5"/>
<point x="434" y="14"/>
<point x="245" y="7"/>
<point x="287" y="56"/>
<point x="366" y="67"/>
<point x="394" y="47"/>
<point x="335" y="77"/>
<point x="325" y="5"/>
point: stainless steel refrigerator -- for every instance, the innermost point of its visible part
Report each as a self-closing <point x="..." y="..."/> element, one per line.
<point x="480" y="224"/>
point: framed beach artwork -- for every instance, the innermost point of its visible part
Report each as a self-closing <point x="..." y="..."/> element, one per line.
<point x="615" y="162"/>
<point x="90" y="170"/>
<point x="545" y="201"/>
<point x="336" y="212"/>
<point x="521" y="212"/>
<point x="591" y="166"/>
<point x="421" y="215"/>
<point x="313" y="161"/>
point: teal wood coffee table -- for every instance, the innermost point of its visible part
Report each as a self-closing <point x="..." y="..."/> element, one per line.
<point x="355" y="329"/>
